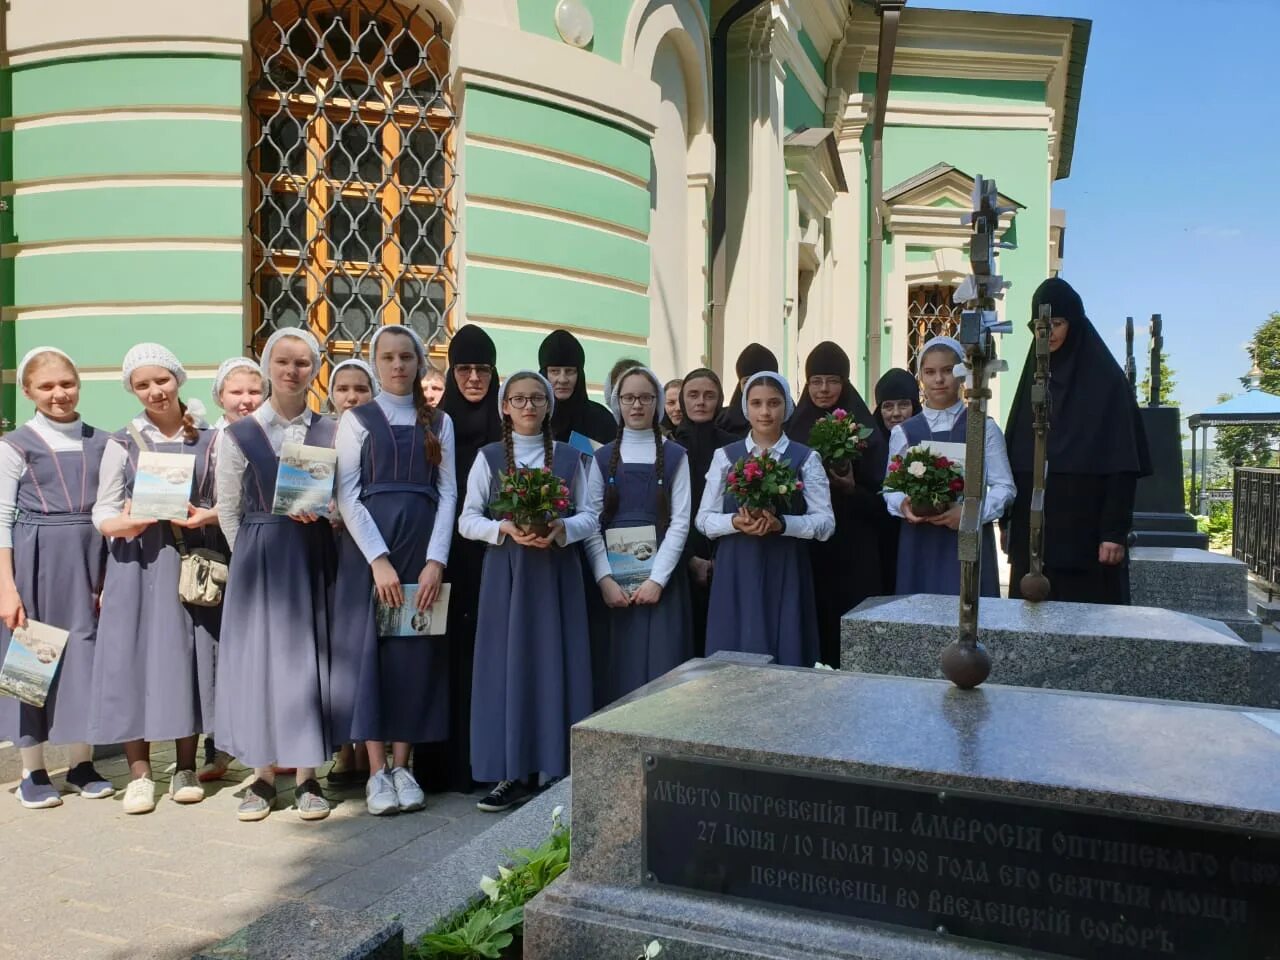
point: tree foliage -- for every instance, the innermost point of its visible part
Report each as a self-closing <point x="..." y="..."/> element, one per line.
<point x="1167" y="383"/>
<point x="1254" y="446"/>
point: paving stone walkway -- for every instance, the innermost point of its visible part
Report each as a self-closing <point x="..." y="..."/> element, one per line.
<point x="86" y="881"/>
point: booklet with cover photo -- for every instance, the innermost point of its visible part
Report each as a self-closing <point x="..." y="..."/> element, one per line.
<point x="162" y="485"/>
<point x="304" y="482"/>
<point x="631" y="551"/>
<point x="31" y="663"/>
<point x="407" y="620"/>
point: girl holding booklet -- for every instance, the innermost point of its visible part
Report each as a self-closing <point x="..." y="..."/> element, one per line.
<point x="639" y="485"/>
<point x="51" y="566"/>
<point x="532" y="677"/>
<point x="398" y="498"/>
<point x="273" y="681"/>
<point x="153" y="668"/>
<point x="762" y="597"/>
<point x="927" y="559"/>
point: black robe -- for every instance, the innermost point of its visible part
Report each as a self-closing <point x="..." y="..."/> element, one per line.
<point x="1097" y="450"/>
<point x="896" y="384"/>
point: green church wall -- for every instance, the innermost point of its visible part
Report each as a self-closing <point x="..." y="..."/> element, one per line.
<point x="609" y="16"/>
<point x="798" y="109"/>
<point x="97" y="83"/>
<point x="134" y="212"/>
<point x="961" y="90"/>
<point x="104" y="148"/>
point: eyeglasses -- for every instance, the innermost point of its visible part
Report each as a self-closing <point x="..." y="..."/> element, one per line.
<point x="826" y="383"/>
<point x="638" y="399"/>
<point x="469" y="370"/>
<point x="537" y="401"/>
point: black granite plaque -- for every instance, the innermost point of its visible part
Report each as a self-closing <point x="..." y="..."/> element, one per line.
<point x="1055" y="879"/>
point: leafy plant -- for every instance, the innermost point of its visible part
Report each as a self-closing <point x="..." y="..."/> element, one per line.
<point x="761" y="482"/>
<point x="839" y="439"/>
<point x="929" y="481"/>
<point x="530" y="497"/>
<point x="486" y="933"/>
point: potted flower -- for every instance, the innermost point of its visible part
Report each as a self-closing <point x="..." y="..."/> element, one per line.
<point x="531" y="497"/>
<point x="931" y="482"/>
<point x="840" y="440"/>
<point x="762" y="484"/>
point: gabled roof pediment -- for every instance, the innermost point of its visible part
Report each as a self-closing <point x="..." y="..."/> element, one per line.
<point x="942" y="184"/>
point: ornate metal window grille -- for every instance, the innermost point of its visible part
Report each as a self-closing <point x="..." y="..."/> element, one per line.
<point x="352" y="127"/>
<point x="930" y="313"/>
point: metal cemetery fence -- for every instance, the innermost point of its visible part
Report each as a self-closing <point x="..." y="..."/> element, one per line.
<point x="1255" y="537"/>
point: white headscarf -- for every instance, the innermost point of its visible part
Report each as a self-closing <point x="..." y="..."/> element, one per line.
<point x="615" y="395"/>
<point x="226" y="368"/>
<point x="264" y="366"/>
<point x="950" y="343"/>
<point x="35" y="352"/>
<point x="409" y="332"/>
<point x="359" y="365"/>
<point x="151" y="355"/>
<point x="777" y="378"/>
<point x="528" y="374"/>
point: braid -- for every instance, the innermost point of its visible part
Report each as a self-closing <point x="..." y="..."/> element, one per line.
<point x="507" y="444"/>
<point x="548" y="442"/>
<point x="660" y="469"/>
<point x="426" y="420"/>
<point x="189" y="431"/>
<point x="610" y="483"/>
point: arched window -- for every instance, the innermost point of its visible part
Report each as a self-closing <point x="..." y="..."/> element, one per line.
<point x="351" y="163"/>
<point x="930" y="313"/>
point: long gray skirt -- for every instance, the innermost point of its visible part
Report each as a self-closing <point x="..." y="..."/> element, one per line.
<point x="273" y="662"/>
<point x="153" y="669"/>
<point x="642" y="643"/>
<point x="532" y="674"/>
<point x="57" y="565"/>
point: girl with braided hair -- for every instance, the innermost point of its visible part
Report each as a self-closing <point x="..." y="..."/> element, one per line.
<point x="398" y="496"/>
<point x="640" y="479"/>
<point x="532" y="669"/>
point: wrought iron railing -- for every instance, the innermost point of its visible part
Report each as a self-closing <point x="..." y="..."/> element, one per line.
<point x="1255" y="536"/>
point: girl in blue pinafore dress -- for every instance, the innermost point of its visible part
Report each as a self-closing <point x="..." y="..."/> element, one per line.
<point x="762" y="598"/>
<point x="928" y="547"/>
<point x="398" y="498"/>
<point x="532" y="673"/>
<point x="51" y="567"/>
<point x="153" y="668"/>
<point x="273" y="667"/>
<point x="640" y="480"/>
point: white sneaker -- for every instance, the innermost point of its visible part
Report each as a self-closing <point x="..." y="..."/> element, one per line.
<point x="408" y="793"/>
<point x="380" y="794"/>
<point x="185" y="787"/>
<point x="140" y="796"/>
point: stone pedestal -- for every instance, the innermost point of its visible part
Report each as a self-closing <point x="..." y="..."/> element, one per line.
<point x="1136" y="651"/>
<point x="774" y="812"/>
<point x="1160" y="517"/>
<point x="1197" y="582"/>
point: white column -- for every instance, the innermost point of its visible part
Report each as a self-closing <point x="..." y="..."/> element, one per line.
<point x="848" y="225"/>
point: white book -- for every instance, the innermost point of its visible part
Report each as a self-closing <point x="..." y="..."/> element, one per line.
<point x="31" y="663"/>
<point x="304" y="481"/>
<point x="407" y="620"/>
<point x="631" y="552"/>
<point x="162" y="485"/>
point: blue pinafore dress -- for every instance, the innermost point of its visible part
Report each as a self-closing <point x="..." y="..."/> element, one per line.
<point x="532" y="675"/>
<point x="153" y="669"/>
<point x="929" y="555"/>
<point x="273" y="661"/>
<point x="59" y="559"/>
<point x="641" y="643"/>
<point x="389" y="688"/>
<point x="762" y="598"/>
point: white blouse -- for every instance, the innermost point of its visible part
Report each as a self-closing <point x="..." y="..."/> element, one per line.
<point x="112" y="490"/>
<point x="475" y="525"/>
<point x="638" y="447"/>
<point x="61" y="438"/>
<point x="400" y="412"/>
<point x="817" y="522"/>
<point x="1000" y="489"/>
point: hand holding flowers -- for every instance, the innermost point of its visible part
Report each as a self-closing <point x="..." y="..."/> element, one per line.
<point x="933" y="484"/>
<point x="763" y="486"/>
<point x="840" y="440"/>
<point x="531" y="501"/>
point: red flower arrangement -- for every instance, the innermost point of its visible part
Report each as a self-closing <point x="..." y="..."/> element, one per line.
<point x="531" y="497"/>
<point x="761" y="483"/>
<point x="931" y="482"/>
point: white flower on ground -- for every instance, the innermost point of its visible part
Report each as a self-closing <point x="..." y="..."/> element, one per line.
<point x="819" y="665"/>
<point x="489" y="887"/>
<point x="652" y="950"/>
<point x="556" y="813"/>
<point x="916" y="469"/>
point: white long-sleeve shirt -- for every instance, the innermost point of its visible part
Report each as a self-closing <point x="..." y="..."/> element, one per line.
<point x="1000" y="490"/>
<point x="61" y="438"/>
<point x="475" y="525"/>
<point x="638" y="447"/>
<point x="400" y="412"/>
<point x="112" y="490"/>
<point x="231" y="463"/>
<point x="816" y="523"/>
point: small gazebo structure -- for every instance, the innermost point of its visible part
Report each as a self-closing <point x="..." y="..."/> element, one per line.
<point x="1253" y="408"/>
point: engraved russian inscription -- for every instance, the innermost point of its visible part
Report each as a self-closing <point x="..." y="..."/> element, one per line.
<point x="1066" y="881"/>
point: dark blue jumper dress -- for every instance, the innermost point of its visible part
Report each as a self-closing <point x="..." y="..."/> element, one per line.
<point x="532" y="676"/>
<point x="273" y="680"/>
<point x="641" y="643"/>
<point x="762" y="598"/>
<point x="929" y="555"/>
<point x="389" y="688"/>
<point x="153" y="669"/>
<point x="59" y="559"/>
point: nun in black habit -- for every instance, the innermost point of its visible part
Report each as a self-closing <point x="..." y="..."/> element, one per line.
<point x="754" y="359"/>
<point x="575" y="412"/>
<point x="895" y="389"/>
<point x="1097" y="450"/>
<point x="847" y="567"/>
<point x="471" y="401"/>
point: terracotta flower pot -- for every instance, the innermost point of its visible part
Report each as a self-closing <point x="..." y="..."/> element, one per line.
<point x="928" y="509"/>
<point x="539" y="528"/>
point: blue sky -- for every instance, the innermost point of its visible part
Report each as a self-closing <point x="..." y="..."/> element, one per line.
<point x="1172" y="193"/>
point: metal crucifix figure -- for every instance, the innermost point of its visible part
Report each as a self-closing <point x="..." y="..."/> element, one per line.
<point x="965" y="662"/>
<point x="1035" y="585"/>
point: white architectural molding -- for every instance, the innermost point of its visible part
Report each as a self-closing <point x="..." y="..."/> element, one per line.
<point x="787" y="37"/>
<point x="814" y="170"/>
<point x="823" y="20"/>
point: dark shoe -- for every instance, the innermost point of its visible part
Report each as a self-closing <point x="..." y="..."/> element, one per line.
<point x="88" y="782"/>
<point x="258" y="801"/>
<point x="215" y="762"/>
<point x="37" y="791"/>
<point x="504" y="796"/>
<point x="341" y="777"/>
